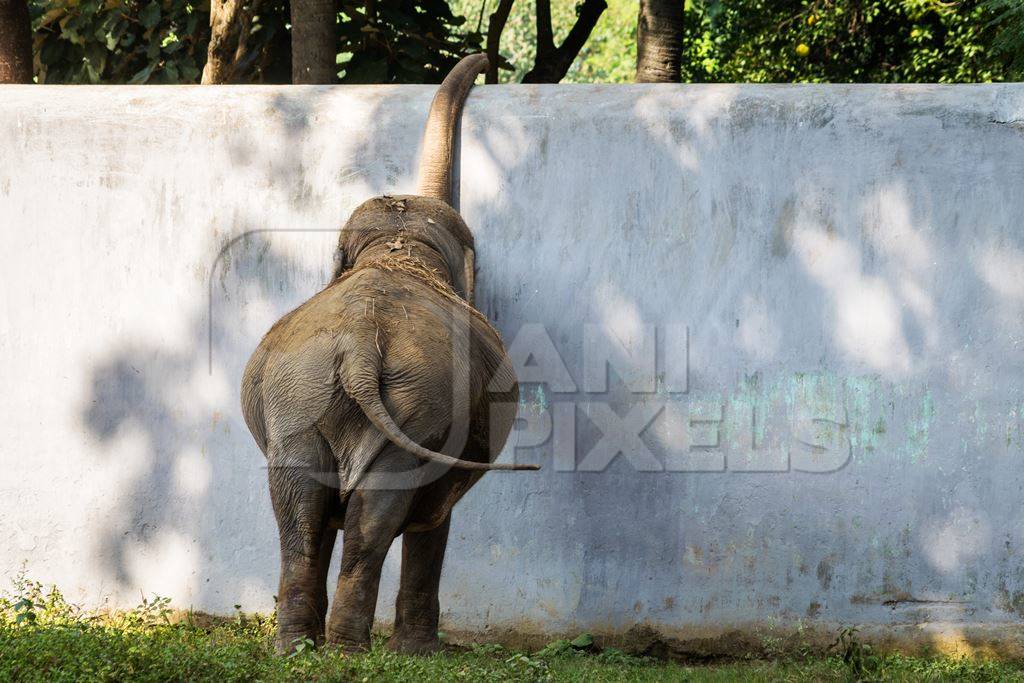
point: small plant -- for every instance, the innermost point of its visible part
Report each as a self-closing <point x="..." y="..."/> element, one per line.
<point x="150" y="612"/>
<point x="556" y="648"/>
<point x="536" y="669"/>
<point x="583" y="642"/>
<point x="858" y="657"/>
<point x="584" y="646"/>
<point x="487" y="649"/>
<point x="613" y="655"/>
<point x="32" y="603"/>
<point x="302" y="647"/>
<point x="802" y="648"/>
<point x="24" y="611"/>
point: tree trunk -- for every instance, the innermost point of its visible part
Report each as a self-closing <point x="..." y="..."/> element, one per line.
<point x="552" y="62"/>
<point x="659" y="41"/>
<point x="15" y="42"/>
<point x="314" y="41"/>
<point x="230" y="23"/>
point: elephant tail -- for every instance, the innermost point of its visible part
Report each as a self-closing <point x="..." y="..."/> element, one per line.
<point x="442" y="122"/>
<point x="361" y="381"/>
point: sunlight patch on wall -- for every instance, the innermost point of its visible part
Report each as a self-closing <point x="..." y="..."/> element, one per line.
<point x="494" y="152"/>
<point x="192" y="473"/>
<point x="963" y="536"/>
<point x="620" y="317"/>
<point x="702" y="106"/>
<point x="1001" y="266"/>
<point x="866" y="316"/>
<point x="165" y="567"/>
<point x="759" y="335"/>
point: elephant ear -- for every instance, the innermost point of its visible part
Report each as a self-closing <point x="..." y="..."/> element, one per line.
<point x="339" y="264"/>
<point x="469" y="274"/>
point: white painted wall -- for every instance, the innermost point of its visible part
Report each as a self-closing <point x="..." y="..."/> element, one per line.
<point x="848" y="260"/>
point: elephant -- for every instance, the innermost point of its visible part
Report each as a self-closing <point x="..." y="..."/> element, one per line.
<point x="379" y="402"/>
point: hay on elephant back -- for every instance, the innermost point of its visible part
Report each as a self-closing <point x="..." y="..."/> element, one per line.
<point x="403" y="262"/>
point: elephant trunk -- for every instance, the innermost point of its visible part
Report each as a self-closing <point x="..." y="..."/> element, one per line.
<point x="361" y="380"/>
<point x="439" y="136"/>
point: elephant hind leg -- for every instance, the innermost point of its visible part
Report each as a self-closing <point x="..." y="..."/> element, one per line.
<point x="417" y="609"/>
<point x="373" y="518"/>
<point x="300" y="470"/>
<point x="330" y="534"/>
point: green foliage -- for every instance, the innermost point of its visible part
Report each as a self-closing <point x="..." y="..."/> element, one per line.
<point x="61" y="643"/>
<point x="106" y="41"/>
<point x="556" y="648"/>
<point x="1009" y="40"/>
<point x="45" y="638"/>
<point x="402" y="41"/>
<point x="417" y="41"/>
<point x="165" y="41"/>
<point x="839" y="41"/>
<point x="858" y="657"/>
<point x="519" y="39"/>
<point x="609" y="55"/>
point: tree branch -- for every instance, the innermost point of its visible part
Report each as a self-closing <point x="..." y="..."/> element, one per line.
<point x="581" y="30"/>
<point x="551" y="66"/>
<point x="495" y="26"/>
<point x="545" y="35"/>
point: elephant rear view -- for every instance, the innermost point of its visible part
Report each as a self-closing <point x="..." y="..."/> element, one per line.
<point x="379" y="402"/>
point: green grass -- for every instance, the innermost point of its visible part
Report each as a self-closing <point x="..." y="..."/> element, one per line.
<point x="43" y="638"/>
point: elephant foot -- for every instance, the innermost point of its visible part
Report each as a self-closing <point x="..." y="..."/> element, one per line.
<point x="414" y="645"/>
<point x="348" y="645"/>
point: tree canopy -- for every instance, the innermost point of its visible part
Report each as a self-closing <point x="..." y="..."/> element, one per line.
<point x="415" y="41"/>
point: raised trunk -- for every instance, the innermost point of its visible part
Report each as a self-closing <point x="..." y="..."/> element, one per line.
<point x="15" y="42"/>
<point x="438" y="152"/>
<point x="314" y="41"/>
<point x="552" y="62"/>
<point x="659" y="41"/>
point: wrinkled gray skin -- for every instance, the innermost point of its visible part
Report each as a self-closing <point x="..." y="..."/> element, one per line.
<point x="378" y="403"/>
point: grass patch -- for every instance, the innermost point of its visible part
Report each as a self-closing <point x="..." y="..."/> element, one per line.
<point x="43" y="638"/>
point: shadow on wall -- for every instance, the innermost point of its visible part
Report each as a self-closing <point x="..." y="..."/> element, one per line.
<point x="812" y="257"/>
<point x="196" y="518"/>
<point x="808" y="253"/>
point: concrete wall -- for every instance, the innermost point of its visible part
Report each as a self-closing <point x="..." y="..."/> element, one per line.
<point x="838" y="269"/>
